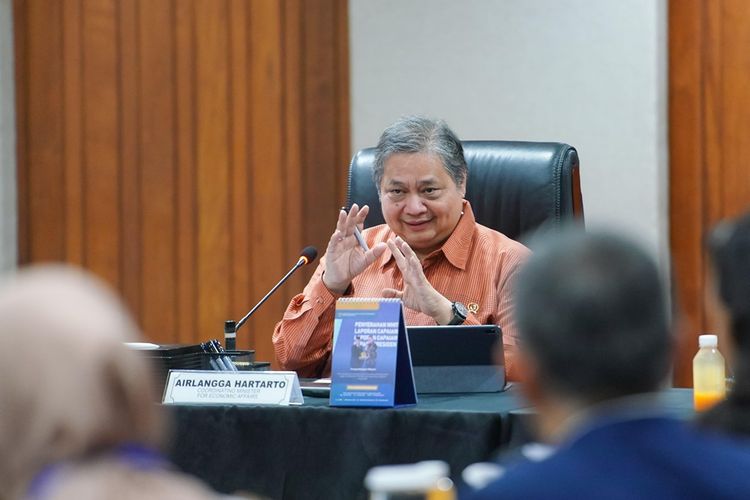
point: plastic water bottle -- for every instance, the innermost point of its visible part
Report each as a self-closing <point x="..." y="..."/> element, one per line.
<point x="709" y="378"/>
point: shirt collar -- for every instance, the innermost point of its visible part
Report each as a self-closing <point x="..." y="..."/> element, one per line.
<point x="455" y="248"/>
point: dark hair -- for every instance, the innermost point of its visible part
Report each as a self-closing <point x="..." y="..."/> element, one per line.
<point x="416" y="134"/>
<point x="591" y="309"/>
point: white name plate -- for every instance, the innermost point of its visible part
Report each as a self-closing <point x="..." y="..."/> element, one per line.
<point x="236" y="388"/>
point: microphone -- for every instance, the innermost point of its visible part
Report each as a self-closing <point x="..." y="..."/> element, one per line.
<point x="307" y="255"/>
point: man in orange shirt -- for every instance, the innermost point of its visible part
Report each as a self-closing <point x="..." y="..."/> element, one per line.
<point x="431" y="253"/>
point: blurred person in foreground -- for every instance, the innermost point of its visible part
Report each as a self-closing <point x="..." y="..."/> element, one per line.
<point x="595" y="348"/>
<point x="729" y="301"/>
<point x="78" y="412"/>
<point x="430" y="253"/>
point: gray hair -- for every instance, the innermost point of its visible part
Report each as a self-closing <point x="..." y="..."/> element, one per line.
<point x="416" y="134"/>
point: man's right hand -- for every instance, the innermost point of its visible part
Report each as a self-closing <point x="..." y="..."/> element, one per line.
<point x="345" y="258"/>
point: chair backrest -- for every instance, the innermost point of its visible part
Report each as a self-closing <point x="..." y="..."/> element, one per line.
<point x="513" y="187"/>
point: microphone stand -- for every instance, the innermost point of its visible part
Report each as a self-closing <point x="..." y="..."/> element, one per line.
<point x="301" y="262"/>
<point x="230" y="327"/>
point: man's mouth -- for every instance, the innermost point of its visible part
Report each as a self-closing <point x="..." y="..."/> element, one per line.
<point x="417" y="224"/>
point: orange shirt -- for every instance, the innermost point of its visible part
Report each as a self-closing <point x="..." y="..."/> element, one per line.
<point x="476" y="266"/>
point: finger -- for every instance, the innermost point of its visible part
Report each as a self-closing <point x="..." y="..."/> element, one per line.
<point x="405" y="248"/>
<point x="392" y="293"/>
<point x="362" y="215"/>
<point x="341" y="221"/>
<point x="352" y="219"/>
<point x="393" y="246"/>
<point x="354" y="210"/>
<point x="336" y="239"/>
<point x="375" y="252"/>
<point x="396" y="251"/>
<point x="416" y="267"/>
<point x="409" y="254"/>
<point x="406" y="251"/>
<point x="411" y="261"/>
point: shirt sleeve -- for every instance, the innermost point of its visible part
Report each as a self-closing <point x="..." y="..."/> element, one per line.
<point x="512" y="261"/>
<point x="302" y="339"/>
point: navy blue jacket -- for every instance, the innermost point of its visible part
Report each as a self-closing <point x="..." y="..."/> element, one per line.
<point x="654" y="457"/>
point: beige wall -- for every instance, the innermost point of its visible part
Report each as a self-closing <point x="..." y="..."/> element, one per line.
<point x="588" y="72"/>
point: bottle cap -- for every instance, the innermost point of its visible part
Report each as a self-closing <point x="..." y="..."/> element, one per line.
<point x="708" y="341"/>
<point x="230" y="326"/>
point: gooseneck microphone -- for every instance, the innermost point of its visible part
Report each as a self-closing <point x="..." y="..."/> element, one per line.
<point x="307" y="255"/>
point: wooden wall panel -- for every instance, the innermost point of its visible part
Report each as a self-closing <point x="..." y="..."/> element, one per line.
<point x="735" y="106"/>
<point x="130" y="157"/>
<point x="213" y="190"/>
<point x="266" y="145"/>
<point x="156" y="165"/>
<point x="709" y="116"/>
<point x="293" y="166"/>
<point x="72" y="57"/>
<point x="185" y="131"/>
<point x="101" y="166"/>
<point x="240" y="223"/>
<point x="43" y="134"/>
<point x="183" y="150"/>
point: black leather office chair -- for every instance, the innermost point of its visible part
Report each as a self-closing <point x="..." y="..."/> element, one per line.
<point x="513" y="187"/>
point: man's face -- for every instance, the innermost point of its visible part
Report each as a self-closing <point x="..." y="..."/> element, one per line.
<point x="420" y="201"/>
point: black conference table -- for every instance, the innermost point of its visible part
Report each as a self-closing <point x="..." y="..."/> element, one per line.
<point x="315" y="451"/>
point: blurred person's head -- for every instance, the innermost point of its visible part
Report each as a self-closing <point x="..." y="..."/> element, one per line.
<point x="728" y="309"/>
<point x="728" y="304"/>
<point x="593" y="320"/>
<point x="70" y="390"/>
<point x="420" y="172"/>
<point x="729" y="252"/>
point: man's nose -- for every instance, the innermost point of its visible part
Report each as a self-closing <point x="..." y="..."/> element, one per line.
<point x="414" y="204"/>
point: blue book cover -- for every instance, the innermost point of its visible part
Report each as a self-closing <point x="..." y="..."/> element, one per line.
<point x="371" y="363"/>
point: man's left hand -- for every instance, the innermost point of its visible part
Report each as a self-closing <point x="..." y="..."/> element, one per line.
<point x="418" y="293"/>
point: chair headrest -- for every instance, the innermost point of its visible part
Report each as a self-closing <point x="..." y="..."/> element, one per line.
<point x="513" y="187"/>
